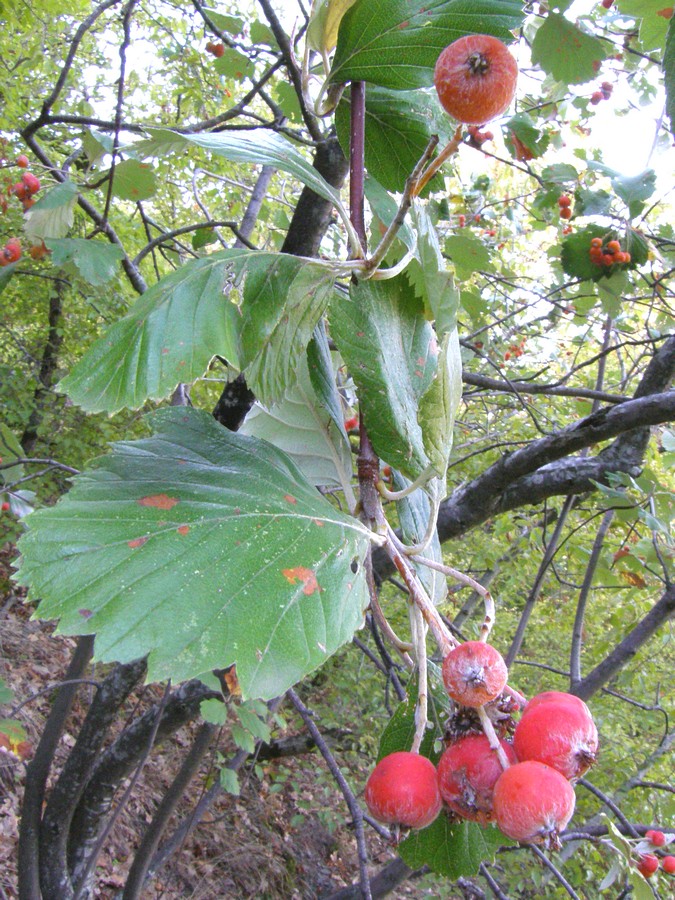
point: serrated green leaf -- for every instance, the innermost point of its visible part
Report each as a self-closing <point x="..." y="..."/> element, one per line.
<point x="53" y="214"/>
<point x="636" y="188"/>
<point x="399" y="125"/>
<point x="242" y="738"/>
<point x="455" y="850"/>
<point x="213" y="711"/>
<point x="391" y="352"/>
<point x="384" y="208"/>
<point x="252" y="722"/>
<point x="560" y="174"/>
<point x="282" y="303"/>
<point x="322" y="377"/>
<point x="95" y="145"/>
<point x="200" y="548"/>
<point x="395" y="43"/>
<point x="229" y="781"/>
<point x="524" y="139"/>
<point x="413" y="515"/>
<point x="438" y="406"/>
<point x="132" y="180"/>
<point x="234" y="64"/>
<point x="300" y="426"/>
<point x="427" y="272"/>
<point x="565" y="51"/>
<point x="653" y="20"/>
<point x="10" y="449"/>
<point x="224" y="23"/>
<point x="97" y="261"/>
<point x="468" y="254"/>
<point x="180" y="323"/>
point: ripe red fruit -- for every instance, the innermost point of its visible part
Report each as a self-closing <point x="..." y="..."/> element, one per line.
<point x="19" y="190"/>
<point x="474" y="673"/>
<point x="596" y="97"/>
<point x="5" y="506"/>
<point x="32" y="183"/>
<point x="657" y="838"/>
<point x="565" y="212"/>
<point x="533" y="803"/>
<point x="564" y="200"/>
<point x="475" y="78"/>
<point x="22" y="161"/>
<point x="555" y="697"/>
<point x="12" y="251"/>
<point x="218" y="50"/>
<point x="647" y="864"/>
<point x="403" y="790"/>
<point x="668" y="864"/>
<point x="351" y="423"/>
<point x="467" y="774"/>
<point x="607" y="3"/>
<point x="38" y="251"/>
<point x="560" y="734"/>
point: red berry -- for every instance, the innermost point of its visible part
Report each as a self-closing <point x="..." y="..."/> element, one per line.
<point x="38" y="251"/>
<point x="668" y="864"/>
<point x="19" y="190"/>
<point x="5" y="506"/>
<point x="555" y="697"/>
<point x="12" y="250"/>
<point x="351" y="423"/>
<point x="22" y="161"/>
<point x="657" y="838"/>
<point x="596" y="242"/>
<point x="565" y="212"/>
<point x="474" y="673"/>
<point x="218" y="50"/>
<point x="613" y="246"/>
<point x="560" y="734"/>
<point x="564" y="200"/>
<point x="596" y="97"/>
<point x="467" y="774"/>
<point x="461" y="220"/>
<point x="475" y="78"/>
<point x="606" y="87"/>
<point x="533" y="802"/>
<point x="403" y="790"/>
<point x="32" y="183"/>
<point x="607" y="3"/>
<point x="647" y="864"/>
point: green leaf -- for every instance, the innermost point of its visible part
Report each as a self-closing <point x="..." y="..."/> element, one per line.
<point x="53" y="214"/>
<point x="653" y="20"/>
<point x="395" y="43"/>
<point x="214" y="711"/>
<point x="226" y="24"/>
<point x="256" y="309"/>
<point x="560" y="174"/>
<point x="669" y="74"/>
<point x="6" y="275"/>
<point x="229" y="781"/>
<point x="95" y="145"/>
<point x="301" y="427"/>
<point x="400" y="729"/>
<point x="10" y="449"/>
<point x="635" y="189"/>
<point x="454" y="850"/>
<point x="252" y="722"/>
<point x="97" y="261"/>
<point x="200" y="548"/>
<point x="468" y="254"/>
<point x="391" y="352"/>
<point x="413" y="514"/>
<point x="438" y="406"/>
<point x="283" y="300"/>
<point x="399" y="125"/>
<point x="234" y="64"/>
<point x="385" y="208"/>
<point x="322" y="377"/>
<point x="132" y="180"/>
<point x="324" y="23"/>
<point x="565" y="51"/>
<point x="256" y="146"/>
<point x="524" y="139"/>
<point x="434" y="283"/>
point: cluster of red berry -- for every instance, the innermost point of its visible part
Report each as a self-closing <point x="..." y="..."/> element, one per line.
<point x="216" y="49"/>
<point x="648" y="863"/>
<point x="11" y="252"/>
<point x="608" y="254"/>
<point x="565" y="206"/>
<point x="515" y="350"/>
<point x="524" y="784"/>
<point x="604" y="93"/>
<point x="477" y="137"/>
<point x="29" y="185"/>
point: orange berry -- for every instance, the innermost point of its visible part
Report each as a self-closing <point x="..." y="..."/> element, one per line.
<point x="596" y="242"/>
<point x="613" y="246"/>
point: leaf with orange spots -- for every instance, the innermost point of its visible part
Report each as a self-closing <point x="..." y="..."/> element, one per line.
<point x="305" y="576"/>
<point x="235" y="573"/>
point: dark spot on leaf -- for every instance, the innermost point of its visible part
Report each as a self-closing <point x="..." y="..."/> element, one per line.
<point x="354" y="566"/>
<point x="159" y="501"/>
<point x="318" y="523"/>
<point x="85" y="613"/>
<point x="289" y="498"/>
<point x="137" y="542"/>
<point x="183" y="529"/>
